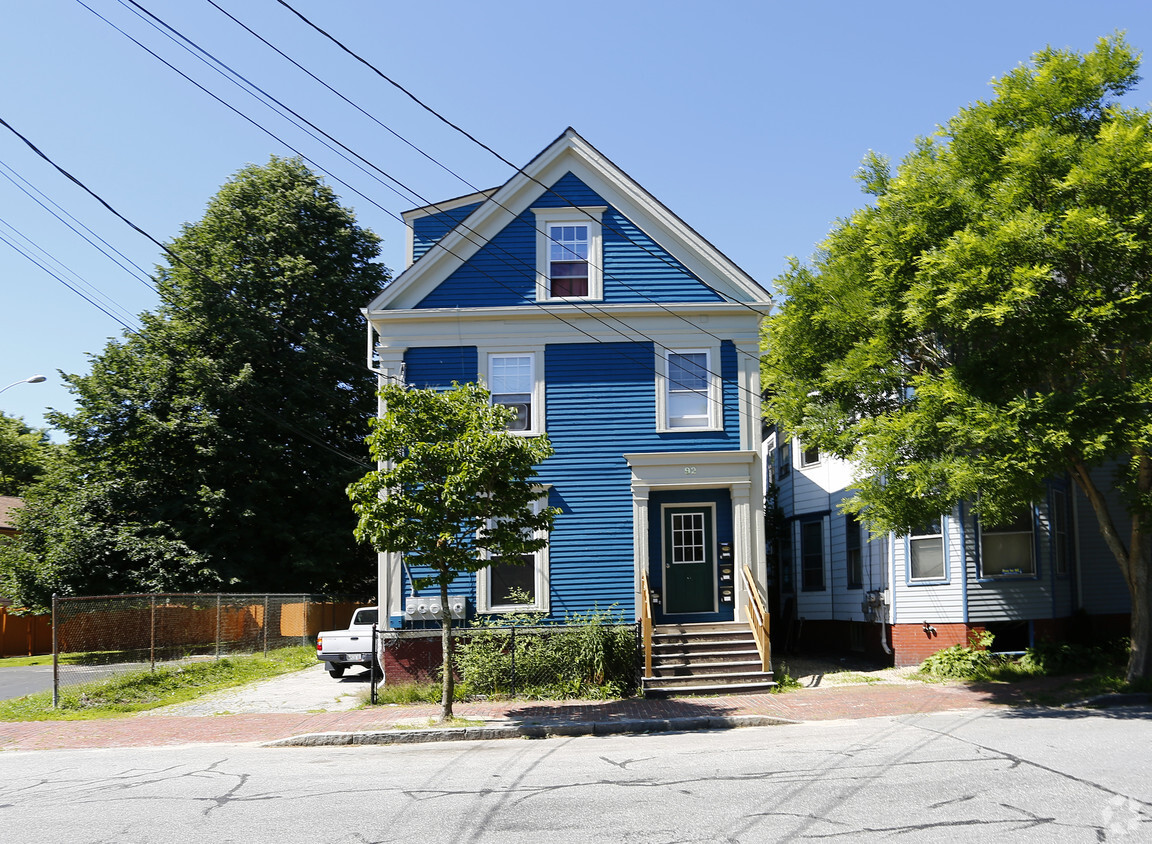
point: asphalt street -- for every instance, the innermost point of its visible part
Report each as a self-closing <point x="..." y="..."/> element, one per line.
<point x="989" y="775"/>
<point x="21" y="680"/>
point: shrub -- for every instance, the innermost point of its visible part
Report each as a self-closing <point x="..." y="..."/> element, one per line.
<point x="592" y="655"/>
<point x="973" y="661"/>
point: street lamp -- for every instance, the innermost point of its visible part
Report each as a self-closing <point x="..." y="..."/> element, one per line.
<point x="31" y="379"/>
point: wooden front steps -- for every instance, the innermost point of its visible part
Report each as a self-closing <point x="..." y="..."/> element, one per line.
<point x="705" y="659"/>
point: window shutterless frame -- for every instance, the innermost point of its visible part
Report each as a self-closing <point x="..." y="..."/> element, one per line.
<point x="569" y="254"/>
<point x="688" y="390"/>
<point x="513" y="379"/>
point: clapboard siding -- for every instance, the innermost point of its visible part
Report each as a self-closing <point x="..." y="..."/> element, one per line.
<point x="1007" y="599"/>
<point x="1102" y="583"/>
<point x="440" y="366"/>
<point x="430" y="228"/>
<point x="502" y="273"/>
<point x="933" y="602"/>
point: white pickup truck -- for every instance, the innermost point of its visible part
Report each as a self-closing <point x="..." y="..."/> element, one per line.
<point x="344" y="648"/>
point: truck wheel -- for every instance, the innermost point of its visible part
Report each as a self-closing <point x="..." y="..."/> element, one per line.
<point x="336" y="671"/>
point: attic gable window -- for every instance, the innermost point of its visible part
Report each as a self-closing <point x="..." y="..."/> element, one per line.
<point x="569" y="254"/>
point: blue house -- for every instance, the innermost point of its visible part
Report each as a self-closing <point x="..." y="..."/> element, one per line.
<point x="612" y="326"/>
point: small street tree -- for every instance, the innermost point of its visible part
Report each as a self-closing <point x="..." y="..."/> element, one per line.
<point x="986" y="324"/>
<point x="454" y="491"/>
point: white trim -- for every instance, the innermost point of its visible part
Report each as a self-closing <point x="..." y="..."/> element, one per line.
<point x="584" y="216"/>
<point x="715" y="399"/>
<point x="485" y="355"/>
<point x="571" y="154"/>
<point x="541" y="566"/>
<point x="410" y="217"/>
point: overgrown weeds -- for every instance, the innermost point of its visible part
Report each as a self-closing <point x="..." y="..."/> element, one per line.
<point x="976" y="662"/>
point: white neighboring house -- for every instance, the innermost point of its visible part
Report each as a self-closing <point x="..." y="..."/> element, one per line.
<point x="1047" y="576"/>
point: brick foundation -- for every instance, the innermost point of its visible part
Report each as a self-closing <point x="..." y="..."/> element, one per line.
<point x="413" y="660"/>
<point x="912" y="643"/>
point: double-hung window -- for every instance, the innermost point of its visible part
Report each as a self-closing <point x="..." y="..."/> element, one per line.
<point x="926" y="552"/>
<point x="689" y="398"/>
<point x="569" y="253"/>
<point x="512" y="382"/>
<point x="812" y="556"/>
<point x="518" y="584"/>
<point x="853" y="551"/>
<point x="1008" y="550"/>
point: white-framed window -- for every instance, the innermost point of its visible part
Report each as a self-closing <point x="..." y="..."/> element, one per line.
<point x="853" y="551"/>
<point x="513" y="380"/>
<point x="926" y="552"/>
<point x="812" y="556"/>
<point x="1009" y="550"/>
<point x="688" y="392"/>
<point x="809" y="456"/>
<point x="569" y="254"/>
<point x="784" y="459"/>
<point x="519" y="585"/>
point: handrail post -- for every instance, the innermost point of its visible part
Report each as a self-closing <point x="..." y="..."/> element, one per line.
<point x="646" y="622"/>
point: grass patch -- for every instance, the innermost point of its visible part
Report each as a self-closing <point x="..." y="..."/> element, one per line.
<point x="408" y="693"/>
<point x="168" y="684"/>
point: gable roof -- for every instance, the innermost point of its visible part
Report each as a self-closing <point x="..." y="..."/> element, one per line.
<point x="570" y="153"/>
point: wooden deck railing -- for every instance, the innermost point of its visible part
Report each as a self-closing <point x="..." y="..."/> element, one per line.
<point x="646" y="622"/>
<point x="758" y="619"/>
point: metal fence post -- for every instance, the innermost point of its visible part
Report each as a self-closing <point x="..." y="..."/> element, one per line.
<point x="55" y="658"/>
<point x="152" y="636"/>
<point x="375" y="640"/>
<point x="304" y="625"/>
<point x="265" y="625"/>
<point x="217" y="625"/>
<point x="513" y="692"/>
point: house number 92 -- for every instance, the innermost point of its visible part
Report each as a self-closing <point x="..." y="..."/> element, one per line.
<point x="689" y="470"/>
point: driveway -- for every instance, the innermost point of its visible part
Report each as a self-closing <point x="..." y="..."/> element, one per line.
<point x="310" y="690"/>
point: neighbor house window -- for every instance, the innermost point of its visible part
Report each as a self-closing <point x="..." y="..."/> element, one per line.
<point x="787" y="577"/>
<point x="810" y="456"/>
<point x="1008" y="549"/>
<point x="569" y="253"/>
<point x="512" y="382"/>
<point x="784" y="459"/>
<point x="812" y="556"/>
<point x="515" y="584"/>
<point x="855" y="558"/>
<point x="926" y="552"/>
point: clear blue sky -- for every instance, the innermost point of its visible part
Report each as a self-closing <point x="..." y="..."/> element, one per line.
<point x="747" y="119"/>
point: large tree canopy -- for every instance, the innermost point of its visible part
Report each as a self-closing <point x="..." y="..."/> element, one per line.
<point x="454" y="492"/>
<point x="213" y="446"/>
<point x="24" y="454"/>
<point x="985" y="323"/>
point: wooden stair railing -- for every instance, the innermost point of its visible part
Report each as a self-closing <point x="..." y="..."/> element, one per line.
<point x="646" y="622"/>
<point x="758" y="619"/>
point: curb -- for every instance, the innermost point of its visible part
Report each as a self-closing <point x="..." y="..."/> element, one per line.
<point x="533" y="731"/>
<point x="1110" y="701"/>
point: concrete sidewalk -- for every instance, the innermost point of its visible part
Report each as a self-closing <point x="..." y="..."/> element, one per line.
<point x="392" y="724"/>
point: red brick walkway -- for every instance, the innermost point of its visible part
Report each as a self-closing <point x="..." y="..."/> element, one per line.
<point x="858" y="701"/>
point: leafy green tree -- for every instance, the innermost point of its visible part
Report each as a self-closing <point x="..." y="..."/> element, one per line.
<point x="454" y="491"/>
<point x="24" y="454"/>
<point x="229" y="425"/>
<point x="985" y="323"/>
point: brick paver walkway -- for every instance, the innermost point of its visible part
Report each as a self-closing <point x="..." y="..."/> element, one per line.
<point x="858" y="701"/>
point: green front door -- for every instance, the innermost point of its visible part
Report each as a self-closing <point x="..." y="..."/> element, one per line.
<point x="689" y="560"/>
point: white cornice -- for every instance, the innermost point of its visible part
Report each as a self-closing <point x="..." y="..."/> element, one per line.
<point x="570" y="153"/>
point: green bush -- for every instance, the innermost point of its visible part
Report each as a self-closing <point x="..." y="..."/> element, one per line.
<point x="973" y="661"/>
<point x="591" y="656"/>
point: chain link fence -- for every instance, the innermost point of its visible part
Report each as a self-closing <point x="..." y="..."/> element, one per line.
<point x="555" y="661"/>
<point x="97" y="637"/>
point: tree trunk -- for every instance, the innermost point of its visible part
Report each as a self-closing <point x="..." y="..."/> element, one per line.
<point x="448" y="688"/>
<point x="1140" y="659"/>
<point x="1135" y="562"/>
